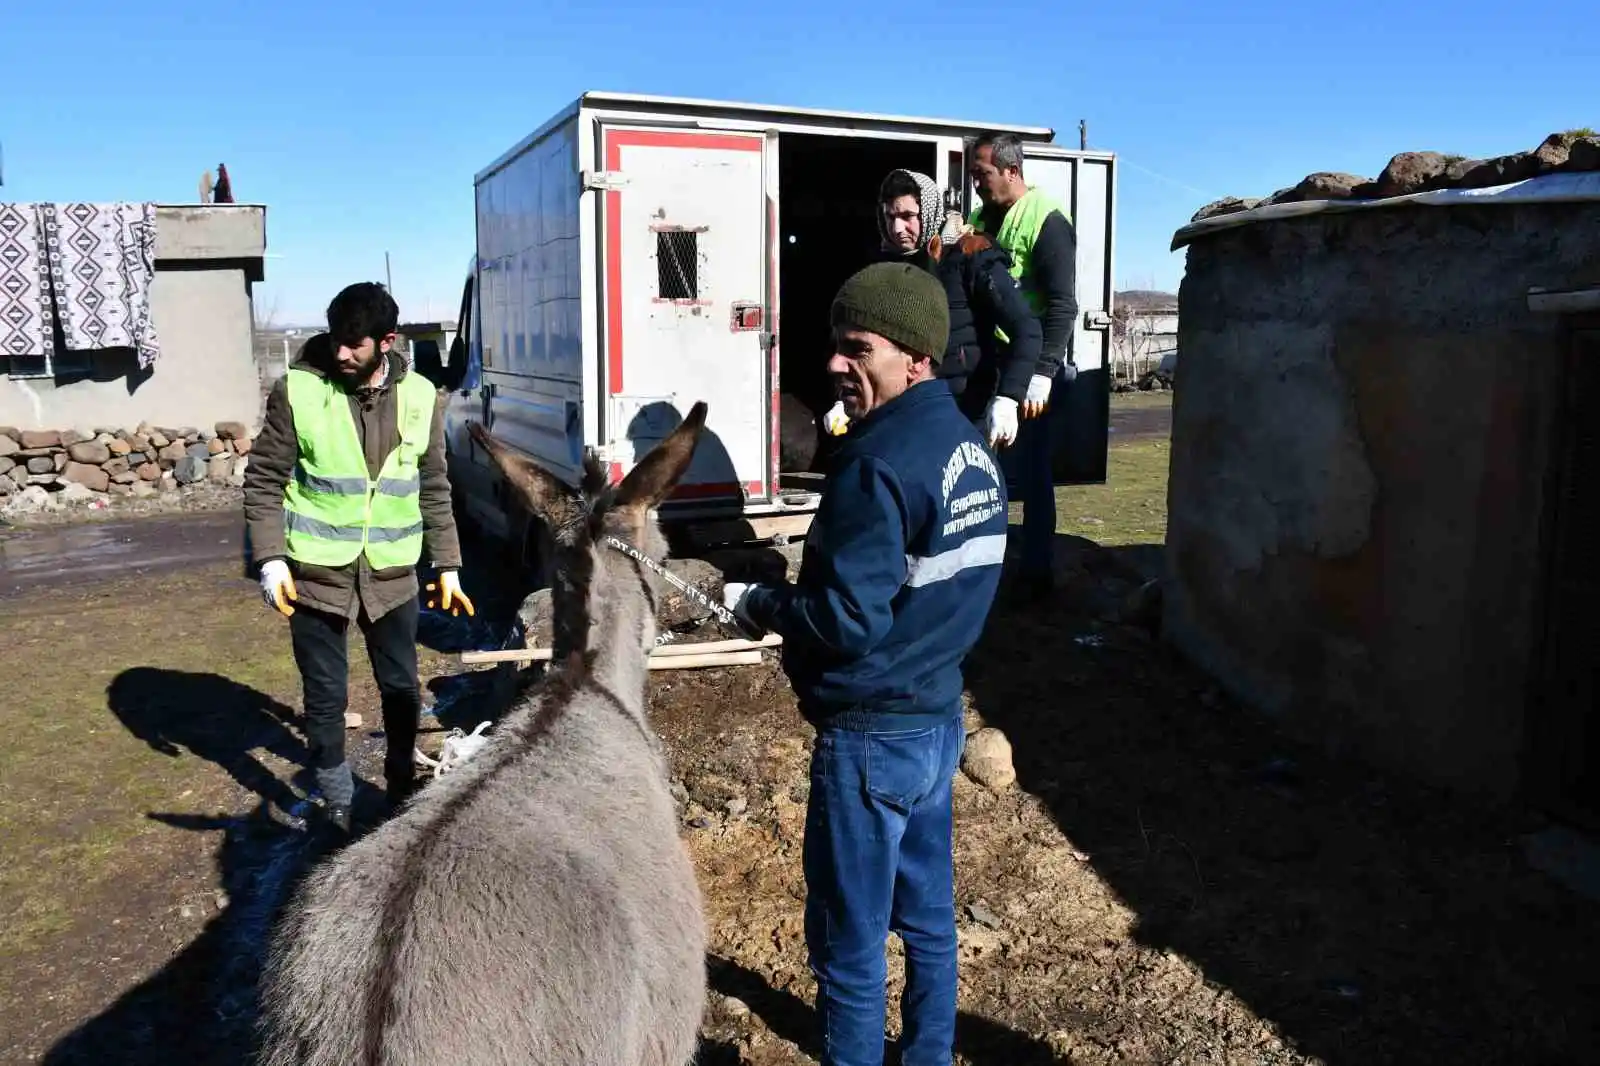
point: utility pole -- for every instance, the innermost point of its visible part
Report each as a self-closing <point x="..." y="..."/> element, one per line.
<point x="1083" y="135"/>
<point x="388" y="278"/>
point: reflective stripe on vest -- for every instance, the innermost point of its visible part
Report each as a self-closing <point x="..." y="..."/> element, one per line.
<point x="333" y="512"/>
<point x="1019" y="230"/>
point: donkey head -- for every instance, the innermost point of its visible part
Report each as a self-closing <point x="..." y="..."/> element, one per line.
<point x="587" y="569"/>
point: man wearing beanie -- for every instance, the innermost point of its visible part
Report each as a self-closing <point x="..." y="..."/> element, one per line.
<point x="899" y="571"/>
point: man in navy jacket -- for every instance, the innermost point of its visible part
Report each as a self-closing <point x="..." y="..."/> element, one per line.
<point x="900" y="567"/>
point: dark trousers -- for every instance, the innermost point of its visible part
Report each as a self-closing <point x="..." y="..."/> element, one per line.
<point x="877" y="859"/>
<point x="321" y="649"/>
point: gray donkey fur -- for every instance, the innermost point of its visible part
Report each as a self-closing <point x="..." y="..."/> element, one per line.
<point x="537" y="907"/>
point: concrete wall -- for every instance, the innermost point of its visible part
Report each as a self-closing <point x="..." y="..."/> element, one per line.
<point x="200" y="301"/>
<point x="1363" y="423"/>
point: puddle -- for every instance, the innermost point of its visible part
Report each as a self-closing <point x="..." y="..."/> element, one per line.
<point x="35" y="558"/>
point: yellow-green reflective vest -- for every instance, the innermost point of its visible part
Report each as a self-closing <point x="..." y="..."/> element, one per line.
<point x="332" y="511"/>
<point x="1018" y="233"/>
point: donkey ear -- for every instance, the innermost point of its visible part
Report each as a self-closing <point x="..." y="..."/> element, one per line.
<point x="546" y="495"/>
<point x="648" y="483"/>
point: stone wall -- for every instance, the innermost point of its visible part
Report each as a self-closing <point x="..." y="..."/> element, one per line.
<point x="1361" y="435"/>
<point x="47" y="470"/>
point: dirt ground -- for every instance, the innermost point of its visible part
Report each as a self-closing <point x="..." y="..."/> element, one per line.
<point x="1168" y="880"/>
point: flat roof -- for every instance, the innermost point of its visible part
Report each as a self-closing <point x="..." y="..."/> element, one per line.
<point x="600" y="98"/>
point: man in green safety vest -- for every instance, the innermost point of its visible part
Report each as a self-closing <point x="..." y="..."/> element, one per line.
<point x="346" y="487"/>
<point x="1037" y="233"/>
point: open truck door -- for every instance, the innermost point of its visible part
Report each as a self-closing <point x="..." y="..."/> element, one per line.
<point x="687" y="298"/>
<point x="1084" y="184"/>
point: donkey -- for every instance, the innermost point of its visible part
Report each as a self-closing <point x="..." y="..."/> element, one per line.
<point x="536" y="907"/>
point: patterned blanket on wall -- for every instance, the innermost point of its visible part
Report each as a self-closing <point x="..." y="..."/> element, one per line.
<point x="84" y="267"/>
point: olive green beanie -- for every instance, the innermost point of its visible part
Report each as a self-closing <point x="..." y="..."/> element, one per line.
<point x="901" y="303"/>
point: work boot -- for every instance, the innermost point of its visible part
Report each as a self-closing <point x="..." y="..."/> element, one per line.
<point x="399" y="783"/>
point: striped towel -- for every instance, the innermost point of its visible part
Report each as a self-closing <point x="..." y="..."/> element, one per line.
<point x="102" y="258"/>
<point x="27" y="318"/>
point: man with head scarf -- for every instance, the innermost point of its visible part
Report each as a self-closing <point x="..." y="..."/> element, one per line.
<point x="988" y="376"/>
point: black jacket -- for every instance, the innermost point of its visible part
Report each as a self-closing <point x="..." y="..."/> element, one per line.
<point x="983" y="295"/>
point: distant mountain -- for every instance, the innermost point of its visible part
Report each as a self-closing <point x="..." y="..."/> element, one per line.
<point x="1145" y="299"/>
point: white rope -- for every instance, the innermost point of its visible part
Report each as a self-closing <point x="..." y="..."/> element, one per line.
<point x="458" y="748"/>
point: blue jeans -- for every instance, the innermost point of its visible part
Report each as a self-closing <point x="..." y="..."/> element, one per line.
<point x="877" y="859"/>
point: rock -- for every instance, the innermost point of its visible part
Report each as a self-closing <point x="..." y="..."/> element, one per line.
<point x="232" y="430"/>
<point x="198" y="451"/>
<point x="141" y="442"/>
<point x="9" y="445"/>
<point x="240" y="465"/>
<point x="69" y="437"/>
<point x="987" y="760"/>
<point x="11" y="431"/>
<point x="116" y="466"/>
<point x="50" y="480"/>
<point x="73" y="492"/>
<point x="41" y="464"/>
<point x="242" y="445"/>
<point x="124" y="477"/>
<point x="188" y="433"/>
<point x="117" y="488"/>
<point x="136" y="459"/>
<point x="1457" y="172"/>
<point x="118" y="446"/>
<point x="1585" y="155"/>
<point x="1228" y="205"/>
<point x="149" y="472"/>
<point x="983" y="915"/>
<point x="1501" y="170"/>
<point x="143" y="488"/>
<point x="1411" y="172"/>
<point x="7" y="486"/>
<point x="220" y="468"/>
<point x="207" y="436"/>
<point x="60" y="459"/>
<point x="173" y="452"/>
<point x="89" y="452"/>
<point x="157" y="439"/>
<point x="188" y="470"/>
<point x="30" y="500"/>
<point x="1324" y="185"/>
<point x="91" y="477"/>
<point x="40" y="438"/>
<point x="216" y="446"/>
<point x="736" y="806"/>
<point x="6" y="464"/>
<point x="1552" y="153"/>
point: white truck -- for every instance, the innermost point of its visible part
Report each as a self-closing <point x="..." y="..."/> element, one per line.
<point x="636" y="254"/>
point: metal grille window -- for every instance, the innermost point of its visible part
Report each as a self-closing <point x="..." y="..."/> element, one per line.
<point x="678" y="264"/>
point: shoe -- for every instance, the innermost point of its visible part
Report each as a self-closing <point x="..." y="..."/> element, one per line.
<point x="399" y="786"/>
<point x="338" y="816"/>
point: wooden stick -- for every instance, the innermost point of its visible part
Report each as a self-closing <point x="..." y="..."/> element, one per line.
<point x="666" y="651"/>
<point x="688" y="662"/>
<point x="771" y="640"/>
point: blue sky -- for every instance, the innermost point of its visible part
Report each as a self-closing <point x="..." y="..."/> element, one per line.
<point x="362" y="131"/>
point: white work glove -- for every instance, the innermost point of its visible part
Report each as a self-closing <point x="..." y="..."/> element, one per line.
<point x="1038" y="398"/>
<point x="836" y="421"/>
<point x="735" y="597"/>
<point x="1000" y="421"/>
<point x="449" y="589"/>
<point x="277" y="587"/>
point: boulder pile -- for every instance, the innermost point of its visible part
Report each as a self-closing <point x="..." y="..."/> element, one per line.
<point x="38" y="467"/>
<point x="1414" y="172"/>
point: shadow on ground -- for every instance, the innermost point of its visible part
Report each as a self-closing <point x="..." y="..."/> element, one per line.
<point x="213" y="718"/>
<point x="1371" y="921"/>
<point x="981" y="1041"/>
<point x="200" y="1007"/>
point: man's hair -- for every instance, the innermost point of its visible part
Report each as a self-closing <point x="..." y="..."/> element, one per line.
<point x="901" y="184"/>
<point x="1005" y="150"/>
<point x="362" y="310"/>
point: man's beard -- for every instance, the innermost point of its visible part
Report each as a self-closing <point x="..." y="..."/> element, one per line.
<point x="362" y="374"/>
